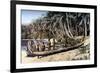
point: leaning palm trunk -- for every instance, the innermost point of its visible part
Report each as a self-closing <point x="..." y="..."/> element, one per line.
<point x="62" y="26"/>
<point x="68" y="25"/>
<point x="85" y="27"/>
<point x="66" y="31"/>
<point x="70" y="29"/>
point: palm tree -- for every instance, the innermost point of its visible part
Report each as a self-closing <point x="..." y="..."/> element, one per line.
<point x="62" y="26"/>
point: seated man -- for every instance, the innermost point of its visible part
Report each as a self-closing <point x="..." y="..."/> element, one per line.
<point x="29" y="48"/>
<point x="43" y="47"/>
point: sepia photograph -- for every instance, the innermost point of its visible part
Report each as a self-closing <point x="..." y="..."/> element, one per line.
<point x="54" y="36"/>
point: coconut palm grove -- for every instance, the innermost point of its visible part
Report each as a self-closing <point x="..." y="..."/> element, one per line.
<point x="57" y="34"/>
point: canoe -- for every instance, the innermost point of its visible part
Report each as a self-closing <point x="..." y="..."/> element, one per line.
<point x="45" y="53"/>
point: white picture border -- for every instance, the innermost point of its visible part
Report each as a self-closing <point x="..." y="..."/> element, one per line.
<point x="19" y="65"/>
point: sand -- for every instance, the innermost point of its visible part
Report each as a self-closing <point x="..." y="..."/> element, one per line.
<point x="65" y="56"/>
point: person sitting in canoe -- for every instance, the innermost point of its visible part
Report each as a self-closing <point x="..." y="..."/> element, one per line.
<point x="33" y="47"/>
<point x="37" y="46"/>
<point x="30" y="48"/>
<point x="43" y="47"/>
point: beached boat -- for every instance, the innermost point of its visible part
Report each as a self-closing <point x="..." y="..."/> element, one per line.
<point x="55" y="51"/>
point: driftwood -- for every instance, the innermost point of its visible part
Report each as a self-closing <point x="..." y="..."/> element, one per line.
<point x="50" y="52"/>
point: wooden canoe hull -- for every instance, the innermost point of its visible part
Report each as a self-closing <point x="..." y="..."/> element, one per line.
<point x="45" y="53"/>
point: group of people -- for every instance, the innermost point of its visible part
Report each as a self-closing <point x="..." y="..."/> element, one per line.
<point x="37" y="46"/>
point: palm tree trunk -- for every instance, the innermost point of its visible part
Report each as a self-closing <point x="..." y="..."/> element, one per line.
<point x="66" y="31"/>
<point x="68" y="26"/>
<point x="85" y="27"/>
<point x="69" y="29"/>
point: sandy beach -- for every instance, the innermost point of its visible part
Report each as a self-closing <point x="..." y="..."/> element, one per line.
<point x="64" y="56"/>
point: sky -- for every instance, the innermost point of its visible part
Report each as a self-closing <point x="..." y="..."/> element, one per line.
<point x="30" y="15"/>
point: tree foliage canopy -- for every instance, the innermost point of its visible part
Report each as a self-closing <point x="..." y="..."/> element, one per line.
<point x="59" y="25"/>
